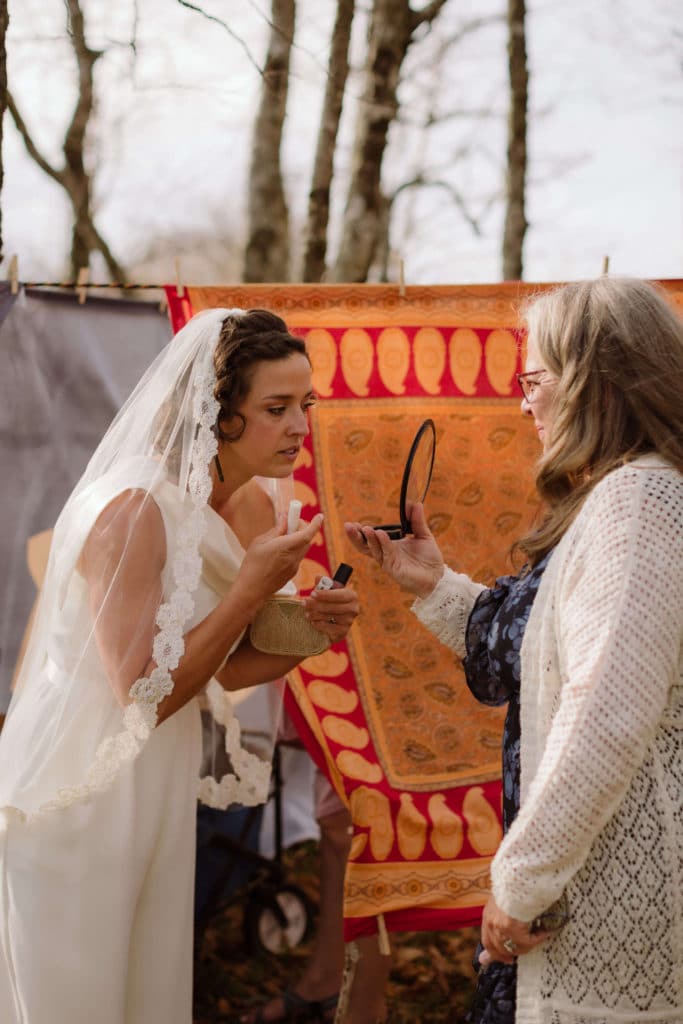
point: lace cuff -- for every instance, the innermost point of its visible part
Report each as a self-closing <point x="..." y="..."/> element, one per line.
<point x="446" y="610"/>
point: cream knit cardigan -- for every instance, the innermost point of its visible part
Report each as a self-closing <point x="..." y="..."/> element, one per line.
<point x="601" y="813"/>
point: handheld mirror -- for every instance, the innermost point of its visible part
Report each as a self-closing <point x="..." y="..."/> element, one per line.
<point x="416" y="477"/>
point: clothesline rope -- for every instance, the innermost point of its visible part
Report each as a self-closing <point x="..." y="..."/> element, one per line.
<point x="90" y="284"/>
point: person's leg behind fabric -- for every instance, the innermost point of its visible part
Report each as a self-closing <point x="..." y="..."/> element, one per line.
<point x="322" y="977"/>
<point x="323" y="973"/>
<point x="321" y="980"/>
<point x="367" y="994"/>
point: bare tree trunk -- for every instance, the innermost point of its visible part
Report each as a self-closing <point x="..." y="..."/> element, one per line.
<point x="388" y="40"/>
<point x="73" y="176"/>
<point x="392" y="27"/>
<point x="323" y="168"/>
<point x="76" y="179"/>
<point x="267" y="251"/>
<point x="515" y="216"/>
<point x="4" y="22"/>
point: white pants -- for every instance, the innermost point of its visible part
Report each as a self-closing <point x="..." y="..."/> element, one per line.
<point x="97" y="900"/>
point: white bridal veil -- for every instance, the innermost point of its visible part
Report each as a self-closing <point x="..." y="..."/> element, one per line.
<point x="69" y="731"/>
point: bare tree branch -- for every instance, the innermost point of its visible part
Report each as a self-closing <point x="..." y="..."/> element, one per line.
<point x="274" y="27"/>
<point x="31" y="147"/>
<point x="224" y="25"/>
<point x="86" y="60"/>
<point x="427" y="15"/>
<point x="99" y="244"/>
<point x="468" y="27"/>
<point x="136" y="24"/>
<point x="74" y="177"/>
<point x="32" y="40"/>
<point x="420" y="181"/>
<point x="460" y="113"/>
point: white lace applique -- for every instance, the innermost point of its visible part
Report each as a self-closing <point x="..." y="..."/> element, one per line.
<point x="251" y="779"/>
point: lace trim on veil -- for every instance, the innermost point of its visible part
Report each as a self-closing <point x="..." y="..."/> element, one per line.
<point x="251" y="779"/>
<point x="249" y="784"/>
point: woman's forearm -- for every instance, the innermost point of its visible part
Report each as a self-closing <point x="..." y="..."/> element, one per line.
<point x="248" y="667"/>
<point x="206" y="648"/>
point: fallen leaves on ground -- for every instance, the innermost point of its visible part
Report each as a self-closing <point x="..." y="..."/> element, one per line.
<point x="431" y="980"/>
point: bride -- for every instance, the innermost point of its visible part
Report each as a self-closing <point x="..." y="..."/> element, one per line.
<point x="160" y="560"/>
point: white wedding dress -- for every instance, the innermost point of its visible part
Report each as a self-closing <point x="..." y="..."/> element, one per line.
<point x="96" y="897"/>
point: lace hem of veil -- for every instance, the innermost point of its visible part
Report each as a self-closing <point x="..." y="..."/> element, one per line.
<point x="249" y="783"/>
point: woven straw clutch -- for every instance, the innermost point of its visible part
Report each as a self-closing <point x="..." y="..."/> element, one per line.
<point x="280" y="627"/>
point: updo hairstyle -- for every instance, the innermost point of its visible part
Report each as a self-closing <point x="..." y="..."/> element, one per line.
<point x="247" y="339"/>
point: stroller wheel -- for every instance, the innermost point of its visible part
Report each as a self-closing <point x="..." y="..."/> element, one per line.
<point x="278" y="921"/>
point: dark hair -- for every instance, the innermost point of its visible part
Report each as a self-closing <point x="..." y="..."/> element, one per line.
<point x="615" y="346"/>
<point x="247" y="339"/>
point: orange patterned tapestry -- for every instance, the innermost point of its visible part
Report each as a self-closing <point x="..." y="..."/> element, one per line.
<point x="388" y="715"/>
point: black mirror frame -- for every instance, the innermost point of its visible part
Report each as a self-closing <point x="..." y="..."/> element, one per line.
<point x="396" y="531"/>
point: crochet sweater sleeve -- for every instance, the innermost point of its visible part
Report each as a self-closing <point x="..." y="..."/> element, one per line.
<point x="617" y="621"/>
<point x="446" y="610"/>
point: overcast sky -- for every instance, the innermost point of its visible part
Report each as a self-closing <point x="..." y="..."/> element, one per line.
<point x="173" y="132"/>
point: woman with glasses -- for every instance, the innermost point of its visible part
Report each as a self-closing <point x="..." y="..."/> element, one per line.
<point x="585" y="644"/>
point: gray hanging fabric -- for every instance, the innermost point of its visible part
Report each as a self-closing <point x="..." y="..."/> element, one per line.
<point x="65" y="370"/>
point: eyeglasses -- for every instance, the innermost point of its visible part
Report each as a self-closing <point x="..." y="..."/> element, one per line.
<point x="530" y="382"/>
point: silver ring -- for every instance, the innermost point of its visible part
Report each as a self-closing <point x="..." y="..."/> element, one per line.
<point x="510" y="947"/>
<point x="332" y="620"/>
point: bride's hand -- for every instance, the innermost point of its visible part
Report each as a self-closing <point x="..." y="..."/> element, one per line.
<point x="332" y="611"/>
<point x="273" y="558"/>
<point x="415" y="561"/>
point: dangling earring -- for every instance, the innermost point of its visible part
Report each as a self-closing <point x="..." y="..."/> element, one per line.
<point x="219" y="469"/>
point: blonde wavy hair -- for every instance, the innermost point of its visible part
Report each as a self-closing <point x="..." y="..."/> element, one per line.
<point x="615" y="346"/>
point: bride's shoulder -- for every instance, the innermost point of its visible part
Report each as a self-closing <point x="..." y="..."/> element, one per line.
<point x="249" y="512"/>
<point x="131" y="525"/>
<point x="256" y="508"/>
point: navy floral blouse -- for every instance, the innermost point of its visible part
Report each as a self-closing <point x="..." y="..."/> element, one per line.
<point x="492" y="669"/>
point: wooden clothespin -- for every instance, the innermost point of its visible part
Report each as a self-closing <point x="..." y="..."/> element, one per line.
<point x="13" y="274"/>
<point x="179" y="286"/>
<point x="383" y="936"/>
<point x="401" y="278"/>
<point x="605" y="266"/>
<point x="82" y="291"/>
